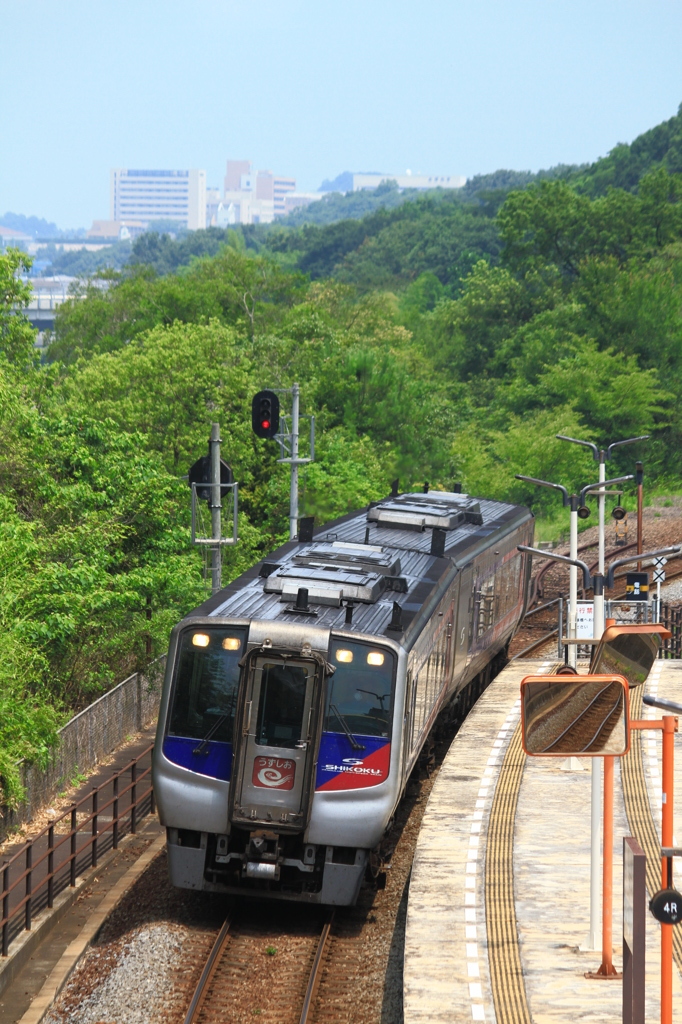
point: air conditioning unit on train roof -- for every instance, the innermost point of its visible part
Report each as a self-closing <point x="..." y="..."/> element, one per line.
<point x="442" y="510"/>
<point x="328" y="584"/>
<point x="352" y="556"/>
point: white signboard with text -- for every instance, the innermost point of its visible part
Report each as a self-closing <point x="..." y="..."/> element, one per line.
<point x="585" y="620"/>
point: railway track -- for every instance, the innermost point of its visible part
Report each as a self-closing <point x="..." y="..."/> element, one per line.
<point x="587" y="720"/>
<point x="253" y="969"/>
<point x="543" y="640"/>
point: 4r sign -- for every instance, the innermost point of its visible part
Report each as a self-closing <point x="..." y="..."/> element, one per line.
<point x="666" y="906"/>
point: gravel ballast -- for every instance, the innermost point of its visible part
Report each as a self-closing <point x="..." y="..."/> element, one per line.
<point x="136" y="990"/>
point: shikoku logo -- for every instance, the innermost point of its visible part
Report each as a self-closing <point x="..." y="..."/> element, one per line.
<point x="273" y="773"/>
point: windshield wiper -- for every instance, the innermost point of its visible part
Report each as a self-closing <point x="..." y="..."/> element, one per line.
<point x="213" y="730"/>
<point x="381" y="697"/>
<point x="344" y="725"/>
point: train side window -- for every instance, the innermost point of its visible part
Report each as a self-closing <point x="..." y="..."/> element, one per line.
<point x="206" y="682"/>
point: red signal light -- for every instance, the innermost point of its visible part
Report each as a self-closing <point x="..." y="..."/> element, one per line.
<point x="265" y="424"/>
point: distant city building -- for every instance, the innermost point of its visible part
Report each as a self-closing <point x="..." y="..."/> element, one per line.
<point x="147" y="196"/>
<point x="256" y="197"/>
<point x="408" y="180"/>
<point x="47" y="295"/>
<point x="213" y="201"/>
<point x="10" y="238"/>
<point x="116" y="230"/>
<point x="295" y="200"/>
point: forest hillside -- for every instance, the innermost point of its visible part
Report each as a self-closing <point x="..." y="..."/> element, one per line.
<point x="447" y="339"/>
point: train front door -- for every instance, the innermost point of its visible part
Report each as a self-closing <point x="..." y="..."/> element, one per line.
<point x="275" y="743"/>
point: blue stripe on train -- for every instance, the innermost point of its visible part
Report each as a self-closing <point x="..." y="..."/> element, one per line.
<point x="215" y="759"/>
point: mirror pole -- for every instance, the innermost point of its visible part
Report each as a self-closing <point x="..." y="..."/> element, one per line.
<point x="607" y="970"/>
<point x="595" y="811"/>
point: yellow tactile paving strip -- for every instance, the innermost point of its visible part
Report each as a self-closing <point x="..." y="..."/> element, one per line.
<point x="506" y="976"/>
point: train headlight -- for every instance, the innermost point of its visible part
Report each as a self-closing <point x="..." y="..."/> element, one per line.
<point x="375" y="658"/>
<point x="201" y="639"/>
<point x="342" y="655"/>
<point x="231" y="643"/>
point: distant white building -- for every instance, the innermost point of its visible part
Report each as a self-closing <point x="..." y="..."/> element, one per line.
<point x="48" y="293"/>
<point x="408" y="180"/>
<point x="295" y="200"/>
<point x="10" y="238"/>
<point x="256" y="196"/>
<point x="116" y="230"/>
<point x="139" y="195"/>
<point x="213" y="201"/>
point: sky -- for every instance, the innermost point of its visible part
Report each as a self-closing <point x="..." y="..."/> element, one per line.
<point x="310" y="88"/>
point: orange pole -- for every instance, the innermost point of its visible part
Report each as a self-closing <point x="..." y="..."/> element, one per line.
<point x="669" y="724"/>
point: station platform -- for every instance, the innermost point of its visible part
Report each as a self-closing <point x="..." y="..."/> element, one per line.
<point x="498" y="911"/>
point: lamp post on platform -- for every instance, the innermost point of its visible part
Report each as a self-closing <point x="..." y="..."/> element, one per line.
<point x="602" y="456"/>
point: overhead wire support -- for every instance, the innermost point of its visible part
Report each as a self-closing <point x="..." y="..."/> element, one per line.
<point x="212" y="490"/>
<point x="288" y="444"/>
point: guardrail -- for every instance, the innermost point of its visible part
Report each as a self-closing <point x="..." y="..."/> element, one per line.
<point x="104" y="823"/>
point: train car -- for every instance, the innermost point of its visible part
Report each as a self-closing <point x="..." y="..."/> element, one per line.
<point x="297" y="700"/>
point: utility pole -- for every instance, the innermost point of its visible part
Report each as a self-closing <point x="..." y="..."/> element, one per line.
<point x="293" y="490"/>
<point x="208" y="477"/>
<point x="216" y="507"/>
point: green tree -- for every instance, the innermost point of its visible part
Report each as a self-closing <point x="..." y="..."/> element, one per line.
<point x="17" y="337"/>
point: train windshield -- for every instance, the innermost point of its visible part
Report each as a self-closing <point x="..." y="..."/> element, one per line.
<point x="206" y="683"/>
<point x="360" y="692"/>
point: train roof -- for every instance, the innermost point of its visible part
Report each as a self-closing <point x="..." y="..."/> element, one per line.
<point x="399" y="550"/>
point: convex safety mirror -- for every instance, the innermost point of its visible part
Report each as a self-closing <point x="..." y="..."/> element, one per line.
<point x="628" y="651"/>
<point x="582" y="716"/>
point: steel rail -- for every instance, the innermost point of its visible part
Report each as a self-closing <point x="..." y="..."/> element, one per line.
<point x="315" y="973"/>
<point x="209" y="970"/>
<point x="213" y="962"/>
<point x="581" y="716"/>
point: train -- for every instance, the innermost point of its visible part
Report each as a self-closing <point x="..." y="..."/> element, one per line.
<point x="298" y="699"/>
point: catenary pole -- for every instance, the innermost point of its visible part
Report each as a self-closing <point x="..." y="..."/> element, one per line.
<point x="214" y="445"/>
<point x="573" y="585"/>
<point x="293" y="494"/>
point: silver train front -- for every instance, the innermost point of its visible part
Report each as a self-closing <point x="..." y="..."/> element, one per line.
<point x="327" y="859"/>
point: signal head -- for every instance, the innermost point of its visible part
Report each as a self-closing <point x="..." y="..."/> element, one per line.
<point x="583" y="512"/>
<point x="265" y="414"/>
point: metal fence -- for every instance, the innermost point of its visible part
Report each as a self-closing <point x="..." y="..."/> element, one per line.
<point x="671" y="618"/>
<point x="71" y="844"/>
<point x="88" y="737"/>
